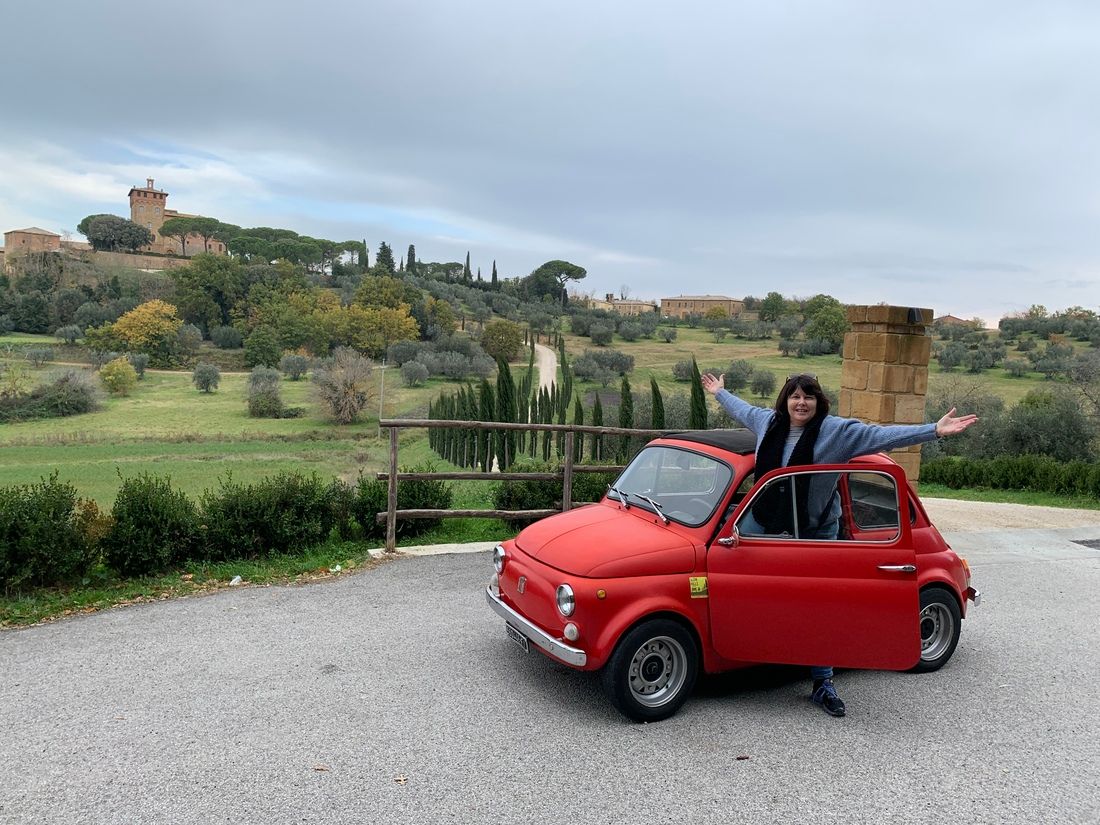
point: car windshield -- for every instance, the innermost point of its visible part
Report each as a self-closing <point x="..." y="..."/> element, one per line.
<point x="685" y="485"/>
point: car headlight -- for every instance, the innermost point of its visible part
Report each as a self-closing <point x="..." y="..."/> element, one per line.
<point x="566" y="603"/>
<point x="499" y="557"/>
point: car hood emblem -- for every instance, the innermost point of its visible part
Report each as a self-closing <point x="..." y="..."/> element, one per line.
<point x="521" y="585"/>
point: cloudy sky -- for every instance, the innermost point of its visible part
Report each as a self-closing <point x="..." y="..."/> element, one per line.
<point x="940" y="154"/>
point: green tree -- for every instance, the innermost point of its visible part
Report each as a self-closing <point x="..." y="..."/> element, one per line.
<point x="829" y="325"/>
<point x="597" y="421"/>
<point x="626" y="416"/>
<point x="763" y="383"/>
<point x="111" y="233"/>
<point x="410" y="260"/>
<point x="466" y="268"/>
<point x="773" y="306"/>
<point x="657" y="406"/>
<point x="505" y="412"/>
<point x="208" y="290"/>
<point x="697" y="419"/>
<point x="263" y="347"/>
<point x="558" y="272"/>
<point x="493" y="283"/>
<point x="502" y="339"/>
<point x="177" y="228"/>
<point x="205" y="228"/>
<point x="118" y="376"/>
<point x="383" y="261"/>
<point x="206" y="377"/>
<point x="344" y="384"/>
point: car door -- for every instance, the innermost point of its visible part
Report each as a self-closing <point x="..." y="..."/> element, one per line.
<point x="786" y="598"/>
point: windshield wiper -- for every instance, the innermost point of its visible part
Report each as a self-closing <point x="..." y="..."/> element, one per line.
<point x="657" y="508"/>
<point x="622" y="496"/>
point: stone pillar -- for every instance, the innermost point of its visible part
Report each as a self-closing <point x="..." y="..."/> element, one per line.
<point x="885" y="374"/>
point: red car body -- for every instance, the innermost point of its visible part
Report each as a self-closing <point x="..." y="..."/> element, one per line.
<point x="653" y="585"/>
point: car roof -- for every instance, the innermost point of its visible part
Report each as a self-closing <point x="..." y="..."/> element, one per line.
<point x="740" y="441"/>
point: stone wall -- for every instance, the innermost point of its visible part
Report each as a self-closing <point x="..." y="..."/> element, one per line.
<point x="138" y="261"/>
<point x="885" y="374"/>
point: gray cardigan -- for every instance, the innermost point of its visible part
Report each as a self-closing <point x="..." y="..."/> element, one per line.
<point x="839" y="441"/>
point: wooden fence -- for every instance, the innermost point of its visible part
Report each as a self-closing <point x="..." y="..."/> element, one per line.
<point x="569" y="468"/>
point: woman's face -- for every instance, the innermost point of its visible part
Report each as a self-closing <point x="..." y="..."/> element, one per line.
<point x="801" y="407"/>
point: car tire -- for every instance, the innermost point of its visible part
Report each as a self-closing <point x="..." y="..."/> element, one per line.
<point x="652" y="671"/>
<point x="940" y="624"/>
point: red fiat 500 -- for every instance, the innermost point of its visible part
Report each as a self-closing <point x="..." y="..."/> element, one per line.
<point x="667" y="575"/>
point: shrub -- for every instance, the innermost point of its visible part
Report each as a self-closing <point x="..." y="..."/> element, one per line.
<point x="264" y="396"/>
<point x="668" y="334"/>
<point x="681" y="370"/>
<point x="190" y="339"/>
<point x="630" y="331"/>
<point x="40" y="540"/>
<point x="139" y="361"/>
<point x="273" y="516"/>
<point x="453" y="365"/>
<point x="502" y="339"/>
<point x="38" y="356"/>
<point x="295" y="366"/>
<point x="6" y="324"/>
<point x="154" y="527"/>
<point x="413" y="373"/>
<point x="400" y="352"/>
<point x="69" y="334"/>
<point x="343" y="384"/>
<point x="118" y="376"/>
<point x="601" y="334"/>
<point x="71" y="393"/>
<point x="99" y="357"/>
<point x="763" y="383"/>
<point x="372" y="497"/>
<point x="529" y="494"/>
<point x="738" y="374"/>
<point x="227" y="337"/>
<point x="263" y="347"/>
<point x="206" y="377"/>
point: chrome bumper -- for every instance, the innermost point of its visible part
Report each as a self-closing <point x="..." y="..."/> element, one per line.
<point x="535" y="634"/>
<point x="974" y="596"/>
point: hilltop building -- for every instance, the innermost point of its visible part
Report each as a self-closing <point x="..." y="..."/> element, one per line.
<point x="32" y="239"/>
<point x="684" y="305"/>
<point x="623" y="306"/>
<point x="149" y="208"/>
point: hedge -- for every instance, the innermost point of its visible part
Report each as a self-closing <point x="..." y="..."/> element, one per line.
<point x="1026" y="472"/>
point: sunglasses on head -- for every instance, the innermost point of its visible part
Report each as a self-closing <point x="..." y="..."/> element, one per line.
<point x="809" y="375"/>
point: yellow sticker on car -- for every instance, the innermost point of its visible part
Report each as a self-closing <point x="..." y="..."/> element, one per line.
<point x="698" y="586"/>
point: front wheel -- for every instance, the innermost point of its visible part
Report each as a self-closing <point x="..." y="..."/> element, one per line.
<point x="940" y="624"/>
<point x="652" y="670"/>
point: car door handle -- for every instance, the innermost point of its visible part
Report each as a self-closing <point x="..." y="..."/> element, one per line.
<point x="898" y="568"/>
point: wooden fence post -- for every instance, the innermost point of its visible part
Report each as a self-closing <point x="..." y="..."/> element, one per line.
<point x="391" y="505"/>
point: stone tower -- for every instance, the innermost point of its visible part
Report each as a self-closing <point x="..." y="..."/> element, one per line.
<point x="147" y="207"/>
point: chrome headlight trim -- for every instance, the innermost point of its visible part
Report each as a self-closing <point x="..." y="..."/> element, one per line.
<point x="499" y="558"/>
<point x="566" y="601"/>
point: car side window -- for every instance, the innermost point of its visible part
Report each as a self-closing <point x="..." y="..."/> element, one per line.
<point x="807" y="505"/>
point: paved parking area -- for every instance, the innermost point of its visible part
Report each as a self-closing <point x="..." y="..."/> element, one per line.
<point x="393" y="695"/>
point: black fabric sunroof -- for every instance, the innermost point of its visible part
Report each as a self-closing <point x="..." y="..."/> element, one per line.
<point x="740" y="440"/>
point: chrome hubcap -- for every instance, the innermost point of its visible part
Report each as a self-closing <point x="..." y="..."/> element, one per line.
<point x="657" y="671"/>
<point x="937" y="628"/>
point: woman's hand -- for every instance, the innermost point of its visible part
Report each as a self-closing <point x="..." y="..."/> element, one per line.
<point x="951" y="424"/>
<point x="712" y="384"/>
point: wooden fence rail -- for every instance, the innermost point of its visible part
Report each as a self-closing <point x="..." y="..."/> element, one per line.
<point x="395" y="425"/>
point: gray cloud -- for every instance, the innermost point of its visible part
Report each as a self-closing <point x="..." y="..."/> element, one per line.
<point x="875" y="152"/>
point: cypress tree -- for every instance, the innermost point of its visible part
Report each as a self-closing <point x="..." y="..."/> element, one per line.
<point x="597" y="421"/>
<point x="657" y="408"/>
<point x="485" y="443"/>
<point x="466" y="269"/>
<point x="506" y="412"/>
<point x="494" y="283"/>
<point x="364" y="256"/>
<point x="626" y="417"/>
<point x="479" y="274"/>
<point x="698" y="416"/>
<point x="578" y="438"/>
<point x="410" y="260"/>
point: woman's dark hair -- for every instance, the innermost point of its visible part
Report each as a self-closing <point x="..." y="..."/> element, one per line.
<point x="808" y="384"/>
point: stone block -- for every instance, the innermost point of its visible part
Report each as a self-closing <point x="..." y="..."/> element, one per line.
<point x="898" y="378"/>
<point x="871" y="346"/>
<point x="875" y="373"/>
<point x="909" y="409"/>
<point x="853" y="374"/>
<point x="844" y="404"/>
<point x="915" y="349"/>
<point x="856" y="314"/>
<point x="920" y="380"/>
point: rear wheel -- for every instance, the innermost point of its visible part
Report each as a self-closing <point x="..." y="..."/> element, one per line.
<point x="652" y="671"/>
<point x="940" y="624"/>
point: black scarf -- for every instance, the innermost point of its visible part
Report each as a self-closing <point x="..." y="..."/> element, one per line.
<point x="772" y="510"/>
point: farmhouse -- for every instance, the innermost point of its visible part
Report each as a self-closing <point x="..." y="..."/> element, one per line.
<point x="684" y="305"/>
<point x="31" y="239"/>
<point x="149" y="208"/>
<point x="623" y="306"/>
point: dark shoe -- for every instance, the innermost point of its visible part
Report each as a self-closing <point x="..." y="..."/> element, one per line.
<point x="825" y="695"/>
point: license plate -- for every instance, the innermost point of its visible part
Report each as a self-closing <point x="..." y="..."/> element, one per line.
<point x="516" y="637"/>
